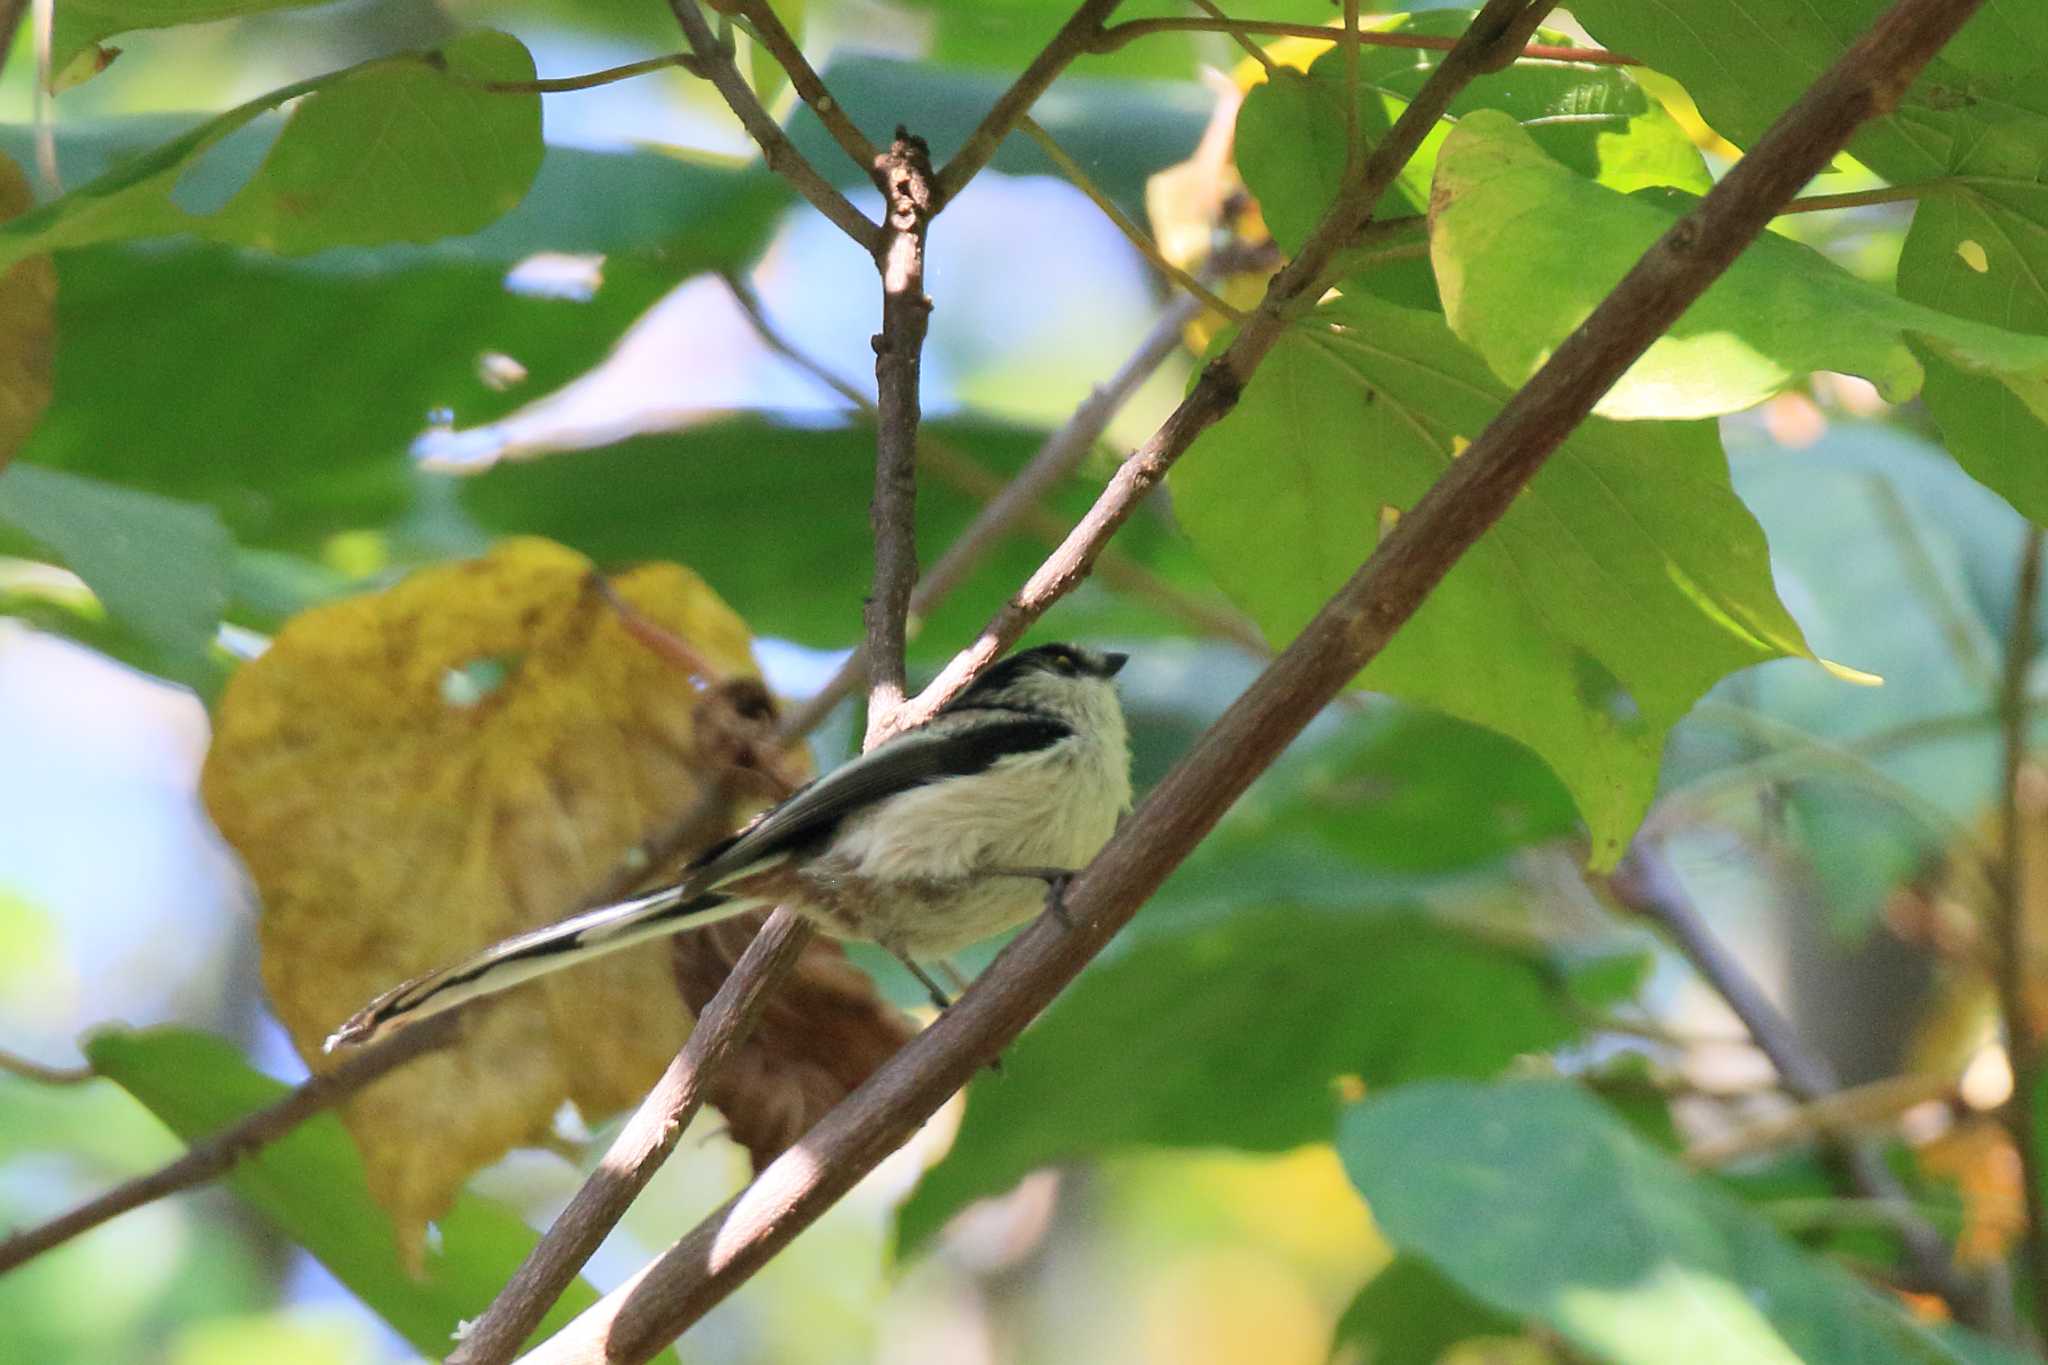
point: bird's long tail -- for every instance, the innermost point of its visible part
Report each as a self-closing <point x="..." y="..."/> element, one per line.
<point x="511" y="961"/>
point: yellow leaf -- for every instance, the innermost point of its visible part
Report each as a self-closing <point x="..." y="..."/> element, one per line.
<point x="413" y="774"/>
<point x="28" y="324"/>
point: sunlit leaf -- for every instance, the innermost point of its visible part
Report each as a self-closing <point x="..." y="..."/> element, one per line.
<point x="1534" y="1199"/>
<point x="78" y="24"/>
<point x="1626" y="581"/>
<point x="1291" y="134"/>
<point x="1506" y="218"/>
<point x="401" y="149"/>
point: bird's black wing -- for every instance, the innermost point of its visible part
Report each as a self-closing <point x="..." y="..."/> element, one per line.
<point x="910" y="760"/>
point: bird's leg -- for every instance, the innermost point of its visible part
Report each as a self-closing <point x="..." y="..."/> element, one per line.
<point x="1056" y="881"/>
<point x="938" y="996"/>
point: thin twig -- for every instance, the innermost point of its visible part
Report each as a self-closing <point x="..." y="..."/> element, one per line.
<point x="789" y="55"/>
<point x="220" y="1153"/>
<point x="1499" y="29"/>
<point x="1075" y="37"/>
<point x="31" y="1070"/>
<point x="639" y="1150"/>
<point x="1856" y="199"/>
<point x="899" y="352"/>
<point x="776" y="149"/>
<point x="1646" y="884"/>
<point x="1832" y="1117"/>
<point x="1117" y="35"/>
<point x="1135" y="235"/>
<point x="611" y="75"/>
<point x="1240" y="37"/>
<point x="655" y="1305"/>
<point x="2015" y="961"/>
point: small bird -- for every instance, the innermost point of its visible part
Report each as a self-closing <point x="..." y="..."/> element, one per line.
<point x="930" y="841"/>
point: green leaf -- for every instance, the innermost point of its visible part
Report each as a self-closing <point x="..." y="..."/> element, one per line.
<point x="402" y="149"/>
<point x="160" y="567"/>
<point x="1412" y="790"/>
<point x="1746" y="61"/>
<point x="78" y="24"/>
<point x="1535" y="1200"/>
<point x="337" y="362"/>
<point x="1618" y="588"/>
<point x="1594" y="119"/>
<point x="310" y="1184"/>
<point x="1506" y="216"/>
<point x="1408" y="1314"/>
<point x="1979" y="248"/>
<point x="1275" y="1006"/>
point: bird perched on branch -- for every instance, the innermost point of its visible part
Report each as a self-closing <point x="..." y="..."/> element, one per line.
<point x="936" y="838"/>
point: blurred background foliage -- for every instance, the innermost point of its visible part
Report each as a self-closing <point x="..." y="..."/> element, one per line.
<point x="1369" y="984"/>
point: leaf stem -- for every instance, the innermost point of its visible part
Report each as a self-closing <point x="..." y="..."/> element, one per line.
<point x="559" y="85"/>
<point x="31" y="1070"/>
<point x="1134" y="234"/>
<point x="1856" y="199"/>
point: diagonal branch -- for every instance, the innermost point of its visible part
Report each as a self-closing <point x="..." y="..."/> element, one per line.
<point x="1646" y="884"/>
<point x="716" y="66"/>
<point x="906" y="173"/>
<point x="1076" y="36"/>
<point x="789" y="55"/>
<point x="638" y="1151"/>
<point x="2015" y="955"/>
<point x="651" y="1309"/>
<point x="1497" y="32"/>
<point x="219" y="1154"/>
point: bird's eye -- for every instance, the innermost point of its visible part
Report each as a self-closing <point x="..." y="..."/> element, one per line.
<point x="1064" y="663"/>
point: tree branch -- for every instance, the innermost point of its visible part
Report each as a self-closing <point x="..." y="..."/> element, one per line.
<point x="1646" y="884"/>
<point x="1119" y="35"/>
<point x="1075" y="37"/>
<point x="2014" y="953"/>
<point x="1019" y="501"/>
<point x="1496" y="32"/>
<point x="219" y="1154"/>
<point x="899" y="349"/>
<point x="639" y="1150"/>
<point x="651" y="1309"/>
<point x="779" y="152"/>
<point x="789" y="55"/>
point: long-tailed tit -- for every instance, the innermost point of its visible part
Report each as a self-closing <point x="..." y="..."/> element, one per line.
<point x="930" y="841"/>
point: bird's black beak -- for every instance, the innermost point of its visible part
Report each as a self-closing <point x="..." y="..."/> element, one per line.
<point x="1113" y="664"/>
